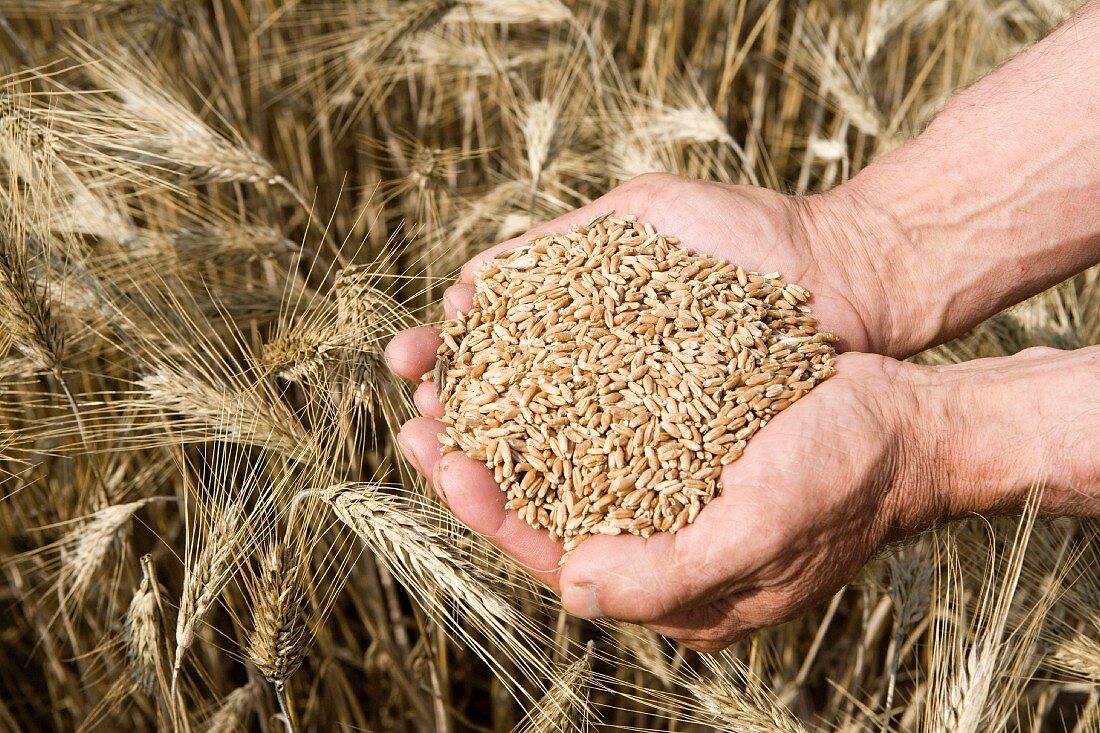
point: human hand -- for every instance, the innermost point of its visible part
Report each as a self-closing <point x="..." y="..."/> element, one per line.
<point x="813" y="496"/>
<point x="754" y="227"/>
<point x="817" y="242"/>
<point x="879" y="451"/>
<point x="798" y="516"/>
<point x="920" y="246"/>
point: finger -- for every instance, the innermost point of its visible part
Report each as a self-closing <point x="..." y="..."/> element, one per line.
<point x="411" y="353"/>
<point x="427" y="401"/>
<point x="419" y="442"/>
<point x="458" y="298"/>
<point x="621" y="577"/>
<point x="642" y="580"/>
<point x="475" y="498"/>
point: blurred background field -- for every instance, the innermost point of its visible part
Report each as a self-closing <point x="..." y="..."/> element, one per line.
<point x="215" y="215"/>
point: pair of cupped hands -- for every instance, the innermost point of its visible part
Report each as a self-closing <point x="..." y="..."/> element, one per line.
<point x="851" y="467"/>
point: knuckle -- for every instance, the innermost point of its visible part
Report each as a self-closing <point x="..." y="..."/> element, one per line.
<point x="633" y="605"/>
<point x="1039" y="352"/>
<point x="653" y="178"/>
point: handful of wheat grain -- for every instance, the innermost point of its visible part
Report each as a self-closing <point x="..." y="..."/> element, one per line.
<point x="606" y="375"/>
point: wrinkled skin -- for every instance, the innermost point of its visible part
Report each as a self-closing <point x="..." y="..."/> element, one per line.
<point x="811" y="499"/>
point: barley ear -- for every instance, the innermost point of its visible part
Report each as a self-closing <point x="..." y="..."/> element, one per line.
<point x="277" y="640"/>
<point x="565" y="706"/>
<point x="204" y="580"/>
<point x="144" y="640"/>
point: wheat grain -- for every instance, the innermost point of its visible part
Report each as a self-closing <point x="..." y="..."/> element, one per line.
<point x="605" y="375"/>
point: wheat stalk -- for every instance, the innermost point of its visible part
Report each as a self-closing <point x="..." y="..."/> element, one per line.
<point x="969" y="699"/>
<point x="276" y="642"/>
<point x="509" y="11"/>
<point x="910" y="585"/>
<point x="224" y="412"/>
<point x="163" y="127"/>
<point x="1078" y="655"/>
<point x="564" y="706"/>
<point x="86" y="547"/>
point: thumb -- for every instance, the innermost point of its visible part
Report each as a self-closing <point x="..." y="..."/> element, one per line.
<point x="642" y="580"/>
<point x="623" y="577"/>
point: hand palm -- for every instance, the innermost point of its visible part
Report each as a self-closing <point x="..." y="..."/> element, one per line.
<point x="759" y="229"/>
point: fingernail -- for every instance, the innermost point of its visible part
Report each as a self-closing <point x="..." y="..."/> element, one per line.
<point x="387" y="356"/>
<point x="439" y="481"/>
<point x="449" y="299"/>
<point x="408" y="452"/>
<point x="582" y="599"/>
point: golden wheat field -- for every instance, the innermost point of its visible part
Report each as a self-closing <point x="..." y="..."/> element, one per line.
<point x="216" y="213"/>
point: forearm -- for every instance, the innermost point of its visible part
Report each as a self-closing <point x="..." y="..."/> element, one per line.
<point x="986" y="432"/>
<point x="997" y="200"/>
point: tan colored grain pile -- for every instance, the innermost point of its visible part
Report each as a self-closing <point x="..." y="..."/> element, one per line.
<point x="606" y="375"/>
